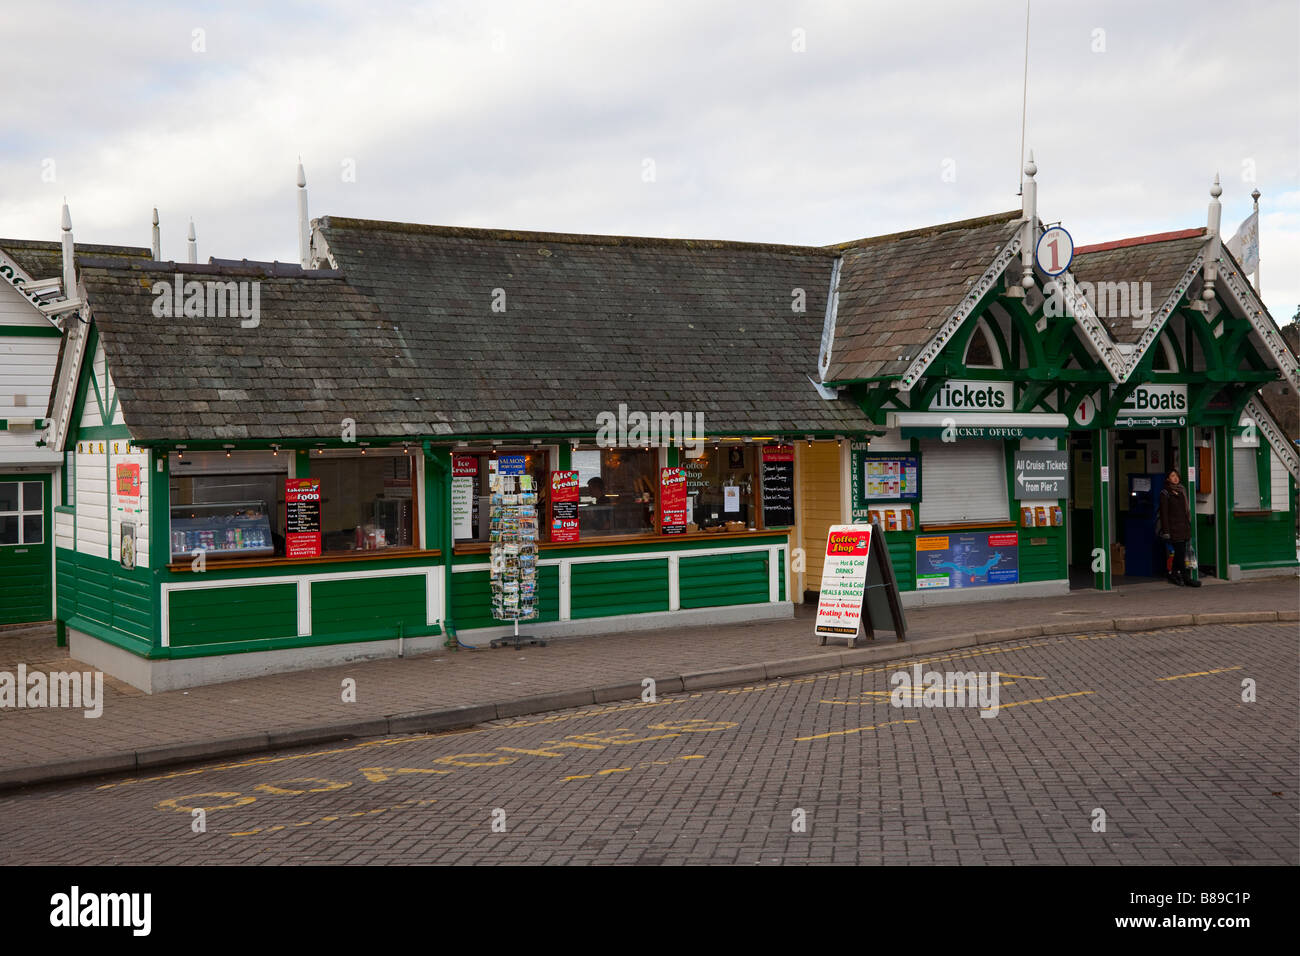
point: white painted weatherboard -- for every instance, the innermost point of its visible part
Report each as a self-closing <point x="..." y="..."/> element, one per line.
<point x="117" y="512"/>
<point x="92" y="500"/>
<point x="1279" y="486"/>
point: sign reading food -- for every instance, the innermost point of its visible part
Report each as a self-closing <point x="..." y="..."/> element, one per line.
<point x="844" y="581"/>
<point x="564" y="506"/>
<point x="672" y="500"/>
<point x="302" y="517"/>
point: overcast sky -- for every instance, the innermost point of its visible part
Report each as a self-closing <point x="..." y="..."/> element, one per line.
<point x="812" y="122"/>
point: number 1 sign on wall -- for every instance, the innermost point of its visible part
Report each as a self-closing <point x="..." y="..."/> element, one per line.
<point x="1055" y="251"/>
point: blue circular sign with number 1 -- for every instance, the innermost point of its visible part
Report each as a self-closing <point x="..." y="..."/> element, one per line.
<point x="1055" y="251"/>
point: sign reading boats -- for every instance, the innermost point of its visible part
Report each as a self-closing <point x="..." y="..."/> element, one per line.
<point x="1154" y="406"/>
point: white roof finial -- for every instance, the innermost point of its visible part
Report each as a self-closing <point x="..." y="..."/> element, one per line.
<point x="304" y="224"/>
<point x="67" y="216"/>
<point x="1216" y="190"/>
<point x="156" y="244"/>
<point x="193" y="244"/>
<point x="1031" y="168"/>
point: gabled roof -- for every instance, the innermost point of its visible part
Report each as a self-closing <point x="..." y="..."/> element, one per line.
<point x="590" y="322"/>
<point x="1162" y="260"/>
<point x="895" y="292"/>
<point x="44" y="260"/>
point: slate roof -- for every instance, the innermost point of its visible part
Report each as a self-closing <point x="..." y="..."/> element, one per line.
<point x="404" y="340"/>
<point x="44" y="260"/>
<point x="594" y="321"/>
<point x="1160" y="259"/>
<point x="897" y="290"/>
<point x="320" y="353"/>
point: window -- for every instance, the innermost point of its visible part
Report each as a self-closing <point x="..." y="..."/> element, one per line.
<point x="617" y="491"/>
<point x="536" y="464"/>
<point x="1245" y="477"/>
<point x="367" y="502"/>
<point x="22" y="512"/>
<point x="982" y="350"/>
<point x="965" y="481"/>
<point x="229" y="507"/>
<point x="720" y="487"/>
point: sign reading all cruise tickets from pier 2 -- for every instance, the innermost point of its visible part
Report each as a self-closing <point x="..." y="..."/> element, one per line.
<point x="844" y="581"/>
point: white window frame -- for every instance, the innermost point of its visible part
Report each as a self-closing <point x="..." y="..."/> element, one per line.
<point x="23" y="512"/>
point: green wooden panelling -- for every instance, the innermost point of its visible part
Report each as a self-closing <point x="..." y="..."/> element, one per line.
<point x="902" y="555"/>
<point x="618" y="587"/>
<point x="99" y="596"/>
<point x="1263" y="541"/>
<point x="780" y="576"/>
<point x="1042" y="562"/>
<point x="471" y="594"/>
<point x="716" y="580"/>
<point x="208" y="616"/>
<point x="368" y="606"/>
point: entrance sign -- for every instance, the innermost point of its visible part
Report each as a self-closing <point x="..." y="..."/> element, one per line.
<point x="778" y="486"/>
<point x="1055" y="251"/>
<point x="967" y="560"/>
<point x="858" y="588"/>
<point x="1154" y="406"/>
<point x="564" y="506"/>
<point x="1041" y="474"/>
<point x="962" y="396"/>
<point x="302" y="517"/>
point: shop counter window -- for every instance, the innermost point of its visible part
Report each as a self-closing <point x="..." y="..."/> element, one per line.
<point x="367" y="502"/>
<point x="536" y="464"/>
<point x="720" y="489"/>
<point x="617" y="491"/>
<point x="22" y="512"/>
<point x="227" y="515"/>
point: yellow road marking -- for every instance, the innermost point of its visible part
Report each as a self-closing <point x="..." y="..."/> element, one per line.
<point x="405" y="804"/>
<point x="1043" y="700"/>
<point x="1220" y="670"/>
<point x="855" y="730"/>
<point x="650" y="763"/>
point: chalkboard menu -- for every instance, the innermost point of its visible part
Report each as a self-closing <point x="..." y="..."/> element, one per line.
<point x="778" y="486"/>
<point x="302" y="517"/>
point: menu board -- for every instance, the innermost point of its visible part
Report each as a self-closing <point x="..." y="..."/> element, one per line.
<point x="302" y="517"/>
<point x="890" y="477"/>
<point x="564" y="506"/>
<point x="844" y="581"/>
<point x="778" y="486"/>
<point x="464" y="472"/>
<point x="672" y="499"/>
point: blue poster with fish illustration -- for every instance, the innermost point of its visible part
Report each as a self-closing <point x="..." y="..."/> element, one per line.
<point x="967" y="560"/>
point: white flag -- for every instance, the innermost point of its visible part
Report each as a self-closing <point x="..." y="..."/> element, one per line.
<point x="1244" y="246"/>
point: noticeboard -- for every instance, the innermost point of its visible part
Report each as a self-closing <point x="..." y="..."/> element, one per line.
<point x="886" y="476"/>
<point x="778" y="486"/>
<point x="973" y="560"/>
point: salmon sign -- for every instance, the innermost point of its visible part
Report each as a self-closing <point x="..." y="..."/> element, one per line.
<point x="844" y="581"/>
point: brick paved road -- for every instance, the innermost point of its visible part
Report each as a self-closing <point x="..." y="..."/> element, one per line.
<point x="1150" y="728"/>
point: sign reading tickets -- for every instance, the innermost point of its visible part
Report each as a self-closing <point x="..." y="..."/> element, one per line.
<point x="564" y="506"/>
<point x="844" y="581"/>
<point x="128" y="488"/>
<point x="967" y="560"/>
<point x="302" y="517"/>
<point x="672" y="500"/>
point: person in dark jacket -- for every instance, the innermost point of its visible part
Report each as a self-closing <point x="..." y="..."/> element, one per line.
<point x="1176" y="525"/>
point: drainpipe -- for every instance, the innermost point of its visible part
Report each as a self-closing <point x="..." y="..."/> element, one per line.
<point x="444" y="540"/>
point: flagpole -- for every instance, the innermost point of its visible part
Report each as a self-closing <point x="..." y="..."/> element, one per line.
<point x="1255" y="196"/>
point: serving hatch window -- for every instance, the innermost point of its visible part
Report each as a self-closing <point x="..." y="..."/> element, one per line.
<point x="617" y="490"/>
<point x="720" y="488"/>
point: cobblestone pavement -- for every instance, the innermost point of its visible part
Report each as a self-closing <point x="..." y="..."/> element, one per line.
<point x="1150" y="728"/>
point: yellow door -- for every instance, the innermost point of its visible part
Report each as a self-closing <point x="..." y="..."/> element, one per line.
<point x="820" y="506"/>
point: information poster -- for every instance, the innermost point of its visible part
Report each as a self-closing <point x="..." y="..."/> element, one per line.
<point x="887" y="477"/>
<point x="564" y="506"/>
<point x="464" y="475"/>
<point x="128" y="488"/>
<point x="672" y="499"/>
<point x="967" y="560"/>
<point x="778" y="486"/>
<point x="844" y="581"/>
<point x="302" y="517"/>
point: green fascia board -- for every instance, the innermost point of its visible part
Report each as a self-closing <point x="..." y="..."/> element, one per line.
<point x="29" y="331"/>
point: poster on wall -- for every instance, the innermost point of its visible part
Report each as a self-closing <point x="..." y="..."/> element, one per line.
<point x="972" y="560"/>
<point x="672" y="498"/>
<point x="891" y="477"/>
<point x="844" y="581"/>
<point x="778" y="486"/>
<point x="464" y="475"/>
<point x="128" y="488"/>
<point x="302" y="517"/>
<point x="564" y="506"/>
<point x="127" y="549"/>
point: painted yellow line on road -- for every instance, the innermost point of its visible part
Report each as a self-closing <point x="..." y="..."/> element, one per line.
<point x="650" y="763"/>
<point x="856" y="730"/>
<point x="1043" y="700"/>
<point x="1220" y="670"/>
